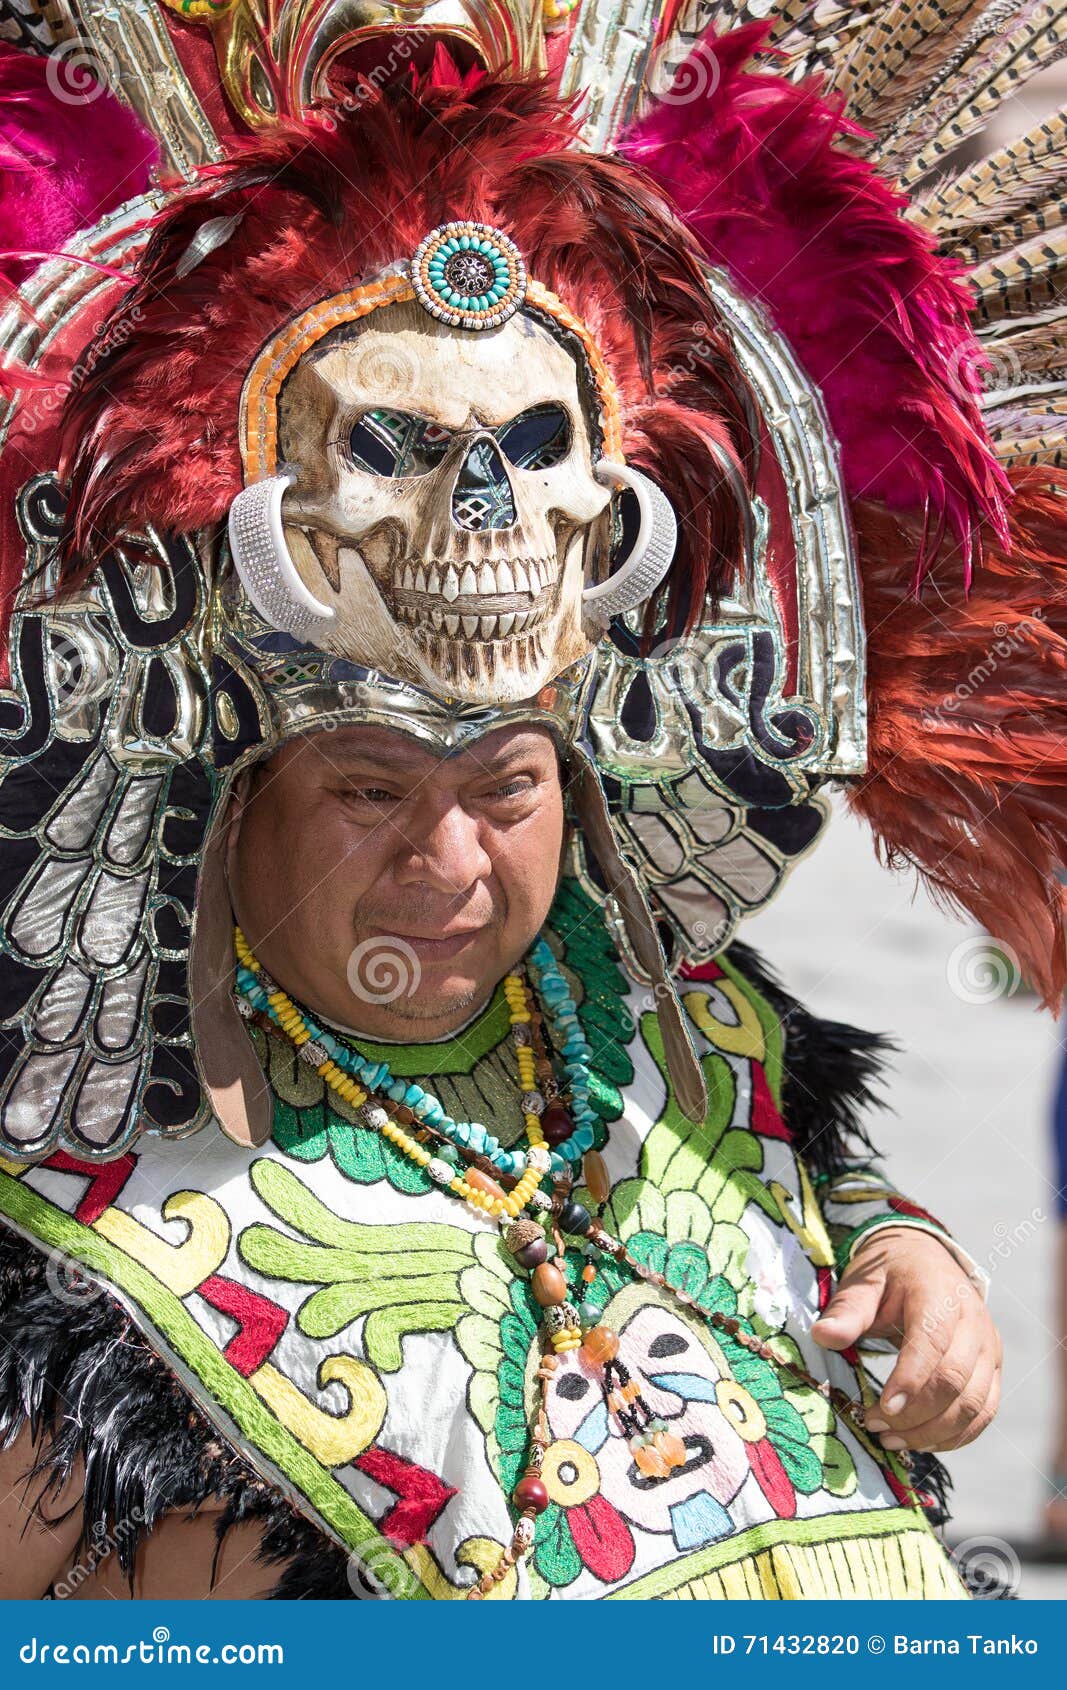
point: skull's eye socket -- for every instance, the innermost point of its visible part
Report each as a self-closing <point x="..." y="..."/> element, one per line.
<point x="537" y="439"/>
<point x="394" y="443"/>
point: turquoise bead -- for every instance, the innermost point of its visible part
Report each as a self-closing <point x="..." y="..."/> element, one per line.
<point x="583" y="1140"/>
<point x="397" y="1091"/>
<point x="414" y="1094"/>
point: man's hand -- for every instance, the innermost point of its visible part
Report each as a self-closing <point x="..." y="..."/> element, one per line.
<point x="906" y="1286"/>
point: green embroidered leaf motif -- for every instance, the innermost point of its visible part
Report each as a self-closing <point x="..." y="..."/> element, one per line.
<point x="650" y="1250"/>
<point x="556" y="1557"/>
<point x="403" y="1175"/>
<point x="483" y="1290"/>
<point x="838" y="1468"/>
<point x="719" y="1296"/>
<point x="358" y="1155"/>
<point x="687" y="1219"/>
<point x="512" y="1432"/>
<point x="484" y="1398"/>
<point x="292" y="1201"/>
<point x="512" y="1380"/>
<point x="329" y="1311"/>
<point x="802" y="1465"/>
<point x="753" y="1372"/>
<point x="405" y="1278"/>
<point x="678" y="1156"/>
<point x="635" y="1206"/>
<point x="384" y="1330"/>
<point x="479" y="1338"/>
<point x="301" y="1133"/>
<point x="738" y="1160"/>
<point x="727" y="1252"/>
<point x="784" y="1421"/>
<point x="687" y="1269"/>
<point x="515" y="1335"/>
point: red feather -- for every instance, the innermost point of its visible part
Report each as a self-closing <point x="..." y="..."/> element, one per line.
<point x="967" y="774"/>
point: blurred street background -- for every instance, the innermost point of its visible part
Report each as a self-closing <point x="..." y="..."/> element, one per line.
<point x="967" y="1133"/>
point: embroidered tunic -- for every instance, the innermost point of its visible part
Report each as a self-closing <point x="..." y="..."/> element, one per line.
<point x="366" y="1342"/>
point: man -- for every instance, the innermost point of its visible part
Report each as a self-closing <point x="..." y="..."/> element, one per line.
<point x="364" y="845"/>
<point x="434" y="636"/>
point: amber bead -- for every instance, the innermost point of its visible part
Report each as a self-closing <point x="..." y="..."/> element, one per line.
<point x="589" y="1273"/>
<point x="650" y="1462"/>
<point x="600" y="1345"/>
<point x="481" y="1182"/>
<point x="530" y="1493"/>
<point x="595" y="1175"/>
<point x="671" y="1448"/>
<point x="549" y="1285"/>
<point x="556" y="1124"/>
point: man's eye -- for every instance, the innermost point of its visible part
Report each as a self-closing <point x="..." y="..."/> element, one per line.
<point x="373" y="795"/>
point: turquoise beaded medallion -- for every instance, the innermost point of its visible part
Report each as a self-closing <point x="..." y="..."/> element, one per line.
<point x="469" y="276"/>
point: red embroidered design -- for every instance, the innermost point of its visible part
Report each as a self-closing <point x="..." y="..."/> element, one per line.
<point x="423" y="1496"/>
<point x="261" y="1322"/>
<point x="106" y="1180"/>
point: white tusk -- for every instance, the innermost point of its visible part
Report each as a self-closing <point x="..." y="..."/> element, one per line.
<point x="264" y="563"/>
<point x="648" y="563"/>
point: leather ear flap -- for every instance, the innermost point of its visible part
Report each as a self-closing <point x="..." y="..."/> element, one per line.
<point x="229" y="1068"/>
<point x="683" y="1064"/>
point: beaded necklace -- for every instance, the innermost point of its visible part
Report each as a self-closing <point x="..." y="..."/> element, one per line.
<point x="656" y="1450"/>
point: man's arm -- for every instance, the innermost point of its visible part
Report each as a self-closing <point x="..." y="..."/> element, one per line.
<point x="37" y="1537"/>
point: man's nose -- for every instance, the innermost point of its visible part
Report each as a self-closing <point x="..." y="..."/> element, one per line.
<point x="444" y="849"/>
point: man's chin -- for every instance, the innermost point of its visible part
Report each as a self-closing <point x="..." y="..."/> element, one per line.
<point x="449" y="1004"/>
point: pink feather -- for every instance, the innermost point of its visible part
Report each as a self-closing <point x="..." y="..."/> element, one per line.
<point x="67" y="157"/>
<point x="757" y="167"/>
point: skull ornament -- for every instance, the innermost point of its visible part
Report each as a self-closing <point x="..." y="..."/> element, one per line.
<point x="444" y="502"/>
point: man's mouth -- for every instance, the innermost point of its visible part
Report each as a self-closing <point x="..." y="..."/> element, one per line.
<point x="433" y="947"/>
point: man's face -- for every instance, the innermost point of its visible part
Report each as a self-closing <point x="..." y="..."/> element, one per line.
<point x="390" y="888"/>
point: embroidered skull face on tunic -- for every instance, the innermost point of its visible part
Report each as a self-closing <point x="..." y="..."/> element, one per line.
<point x="445" y="503"/>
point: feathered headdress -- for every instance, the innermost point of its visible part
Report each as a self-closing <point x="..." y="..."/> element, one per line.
<point x="746" y="286"/>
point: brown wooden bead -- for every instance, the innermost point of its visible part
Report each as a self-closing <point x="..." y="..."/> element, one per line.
<point x="549" y="1285"/>
<point x="595" y="1175"/>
